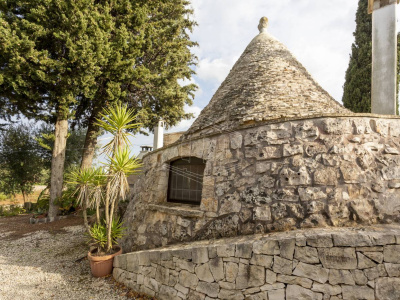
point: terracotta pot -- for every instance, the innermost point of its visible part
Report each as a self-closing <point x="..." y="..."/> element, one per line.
<point x="102" y="265"/>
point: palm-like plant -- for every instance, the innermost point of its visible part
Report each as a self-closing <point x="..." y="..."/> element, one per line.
<point x="117" y="120"/>
<point x="98" y="182"/>
<point x="82" y="178"/>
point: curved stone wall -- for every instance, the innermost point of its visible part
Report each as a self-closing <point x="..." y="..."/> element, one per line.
<point x="327" y="171"/>
<point x="305" y="264"/>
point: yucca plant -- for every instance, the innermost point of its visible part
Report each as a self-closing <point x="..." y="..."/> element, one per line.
<point x="98" y="233"/>
<point x="117" y="120"/>
<point x="98" y="183"/>
<point x="82" y="179"/>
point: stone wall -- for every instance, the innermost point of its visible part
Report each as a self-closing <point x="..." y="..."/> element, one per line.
<point x="319" y="264"/>
<point x="328" y="171"/>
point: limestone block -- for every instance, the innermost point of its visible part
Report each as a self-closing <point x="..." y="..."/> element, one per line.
<point x="270" y="277"/>
<point x="188" y="280"/>
<point x="262" y="213"/>
<point x="182" y="264"/>
<point x="217" y="268"/>
<point x="306" y="131"/>
<point x="162" y="275"/>
<point x="295" y="292"/>
<point x="193" y="295"/>
<point x="359" y="277"/>
<point x="230" y="295"/>
<point x="250" y="276"/>
<point x="230" y="204"/>
<point x="327" y="289"/>
<point x="357" y="292"/>
<point x="209" y="204"/>
<point x="364" y="262"/>
<point x="269" y="247"/>
<point x="278" y="210"/>
<point x="262" y="260"/>
<point x="210" y="289"/>
<point x="276" y="294"/>
<point x="391" y="253"/>
<point x="393" y="270"/>
<point x="286" y="248"/>
<point x="337" y="126"/>
<point x="320" y="241"/>
<point x="338" y="258"/>
<point x="203" y="273"/>
<point x="304" y="282"/>
<point x="200" y="255"/>
<point x="282" y="265"/>
<point x="375" y="272"/>
<point x="391" y="173"/>
<point x="226" y="250"/>
<point x="267" y="181"/>
<point x="388" y="288"/>
<point x="167" y="293"/>
<point x="313" y="272"/>
<point x="307" y="255"/>
<point x="181" y="289"/>
<point x="151" y="283"/>
<point x="270" y="152"/>
<point x="326" y="176"/>
<point x="340" y="276"/>
<point x="311" y="193"/>
<point x="388" y="204"/>
<point x="231" y="271"/>
<point x="289" y="177"/>
<point x="290" y="149"/>
<point x="236" y="140"/>
<point x="353" y="239"/>
<point x="363" y="210"/>
<point x="258" y="296"/>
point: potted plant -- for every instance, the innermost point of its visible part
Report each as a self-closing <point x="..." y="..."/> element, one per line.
<point x="113" y="183"/>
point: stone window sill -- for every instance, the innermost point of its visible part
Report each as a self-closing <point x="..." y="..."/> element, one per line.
<point x="183" y="210"/>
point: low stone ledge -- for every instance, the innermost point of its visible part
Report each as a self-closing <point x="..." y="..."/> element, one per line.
<point x="45" y="220"/>
<point x="302" y="264"/>
<point x="183" y="210"/>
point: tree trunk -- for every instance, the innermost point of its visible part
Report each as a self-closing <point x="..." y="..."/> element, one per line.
<point x="24" y="197"/>
<point x="90" y="140"/>
<point x="57" y="165"/>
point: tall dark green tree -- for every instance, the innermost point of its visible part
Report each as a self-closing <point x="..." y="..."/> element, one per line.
<point x="20" y="162"/>
<point x="148" y="62"/>
<point x="50" y="52"/>
<point x="357" y="86"/>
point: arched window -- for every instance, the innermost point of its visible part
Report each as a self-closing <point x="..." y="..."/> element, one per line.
<point x="186" y="180"/>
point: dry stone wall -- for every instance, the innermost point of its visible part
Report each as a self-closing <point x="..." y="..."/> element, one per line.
<point x="327" y="171"/>
<point x="318" y="264"/>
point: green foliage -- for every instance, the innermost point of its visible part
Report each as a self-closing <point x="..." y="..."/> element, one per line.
<point x="117" y="120"/>
<point x="75" y="144"/>
<point x="12" y="211"/>
<point x="357" y="86"/>
<point x="20" y="163"/>
<point x="98" y="234"/>
<point x="42" y="204"/>
<point x="3" y="197"/>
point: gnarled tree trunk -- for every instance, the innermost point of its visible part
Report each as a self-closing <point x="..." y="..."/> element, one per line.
<point x="57" y="165"/>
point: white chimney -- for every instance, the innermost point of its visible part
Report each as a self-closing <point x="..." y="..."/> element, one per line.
<point x="158" y="135"/>
<point x="384" y="56"/>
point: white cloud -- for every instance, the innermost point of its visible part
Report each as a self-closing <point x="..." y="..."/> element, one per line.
<point x="214" y="70"/>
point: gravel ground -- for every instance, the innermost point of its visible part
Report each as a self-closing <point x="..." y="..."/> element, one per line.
<point x="48" y="264"/>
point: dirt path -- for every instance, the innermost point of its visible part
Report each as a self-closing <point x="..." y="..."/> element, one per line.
<point x="43" y="261"/>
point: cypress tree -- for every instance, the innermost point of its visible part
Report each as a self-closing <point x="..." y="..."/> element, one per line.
<point x="357" y="86"/>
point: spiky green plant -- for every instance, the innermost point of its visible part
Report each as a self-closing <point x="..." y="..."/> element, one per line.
<point x="98" y="233"/>
<point x="82" y="179"/>
<point x="98" y="182"/>
<point x="117" y="120"/>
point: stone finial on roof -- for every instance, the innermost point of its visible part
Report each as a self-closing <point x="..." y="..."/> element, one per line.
<point x="263" y="25"/>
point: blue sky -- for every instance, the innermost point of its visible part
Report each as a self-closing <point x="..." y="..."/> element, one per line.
<point x="318" y="32"/>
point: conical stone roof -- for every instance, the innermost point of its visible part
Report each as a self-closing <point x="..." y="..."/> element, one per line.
<point x="266" y="83"/>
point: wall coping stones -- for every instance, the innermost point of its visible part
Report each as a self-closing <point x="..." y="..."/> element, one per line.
<point x="263" y="265"/>
<point x="184" y="210"/>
